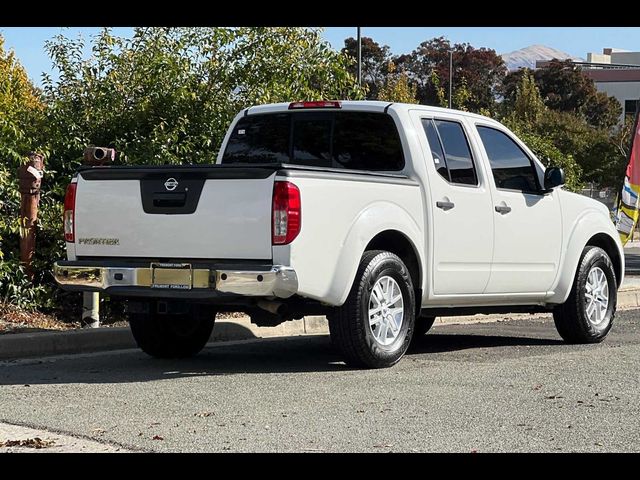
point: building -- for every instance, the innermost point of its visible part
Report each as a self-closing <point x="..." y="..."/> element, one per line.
<point x="615" y="72"/>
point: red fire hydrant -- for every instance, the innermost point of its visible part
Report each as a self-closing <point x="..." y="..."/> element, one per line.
<point x="30" y="176"/>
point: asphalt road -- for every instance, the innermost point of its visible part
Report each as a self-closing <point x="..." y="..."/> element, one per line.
<point x="507" y="386"/>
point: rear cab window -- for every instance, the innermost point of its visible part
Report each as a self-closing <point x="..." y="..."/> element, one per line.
<point x="338" y="139"/>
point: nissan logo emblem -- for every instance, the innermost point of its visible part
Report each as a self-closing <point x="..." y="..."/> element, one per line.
<point x="171" y="184"/>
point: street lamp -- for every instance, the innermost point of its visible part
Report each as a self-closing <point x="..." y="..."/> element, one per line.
<point x="450" y="76"/>
<point x="359" y="77"/>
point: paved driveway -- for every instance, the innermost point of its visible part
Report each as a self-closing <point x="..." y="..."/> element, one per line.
<point x="507" y="386"/>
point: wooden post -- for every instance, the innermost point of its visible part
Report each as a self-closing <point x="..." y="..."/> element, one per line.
<point x="30" y="175"/>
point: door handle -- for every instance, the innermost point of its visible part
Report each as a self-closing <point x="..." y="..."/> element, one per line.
<point x="502" y="209"/>
<point x="445" y="205"/>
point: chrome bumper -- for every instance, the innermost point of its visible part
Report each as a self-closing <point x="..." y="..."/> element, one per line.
<point x="279" y="281"/>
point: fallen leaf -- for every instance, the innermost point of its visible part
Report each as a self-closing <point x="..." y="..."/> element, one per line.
<point x="36" y="442"/>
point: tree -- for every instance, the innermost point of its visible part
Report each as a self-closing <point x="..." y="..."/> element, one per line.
<point x="167" y="95"/>
<point x="396" y="87"/>
<point x="21" y="126"/>
<point x="526" y="105"/>
<point x="376" y="61"/>
<point x="481" y="69"/>
<point x="547" y="152"/>
<point x="564" y="87"/>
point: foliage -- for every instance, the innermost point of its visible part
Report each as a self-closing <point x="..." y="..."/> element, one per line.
<point x="396" y="87"/>
<point x="548" y="153"/>
<point x="166" y="95"/>
<point x="376" y="61"/>
<point x="526" y="106"/>
<point x="564" y="87"/>
<point x="481" y="69"/>
<point x="21" y="121"/>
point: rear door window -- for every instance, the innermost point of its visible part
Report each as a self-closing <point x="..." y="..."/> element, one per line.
<point x="450" y="151"/>
<point x="351" y="140"/>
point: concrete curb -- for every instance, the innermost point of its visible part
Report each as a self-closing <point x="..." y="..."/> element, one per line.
<point x="29" y="345"/>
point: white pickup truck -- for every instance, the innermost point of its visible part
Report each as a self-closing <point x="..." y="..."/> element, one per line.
<point x="379" y="215"/>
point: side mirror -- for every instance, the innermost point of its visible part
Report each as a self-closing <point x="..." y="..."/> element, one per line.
<point x="553" y="177"/>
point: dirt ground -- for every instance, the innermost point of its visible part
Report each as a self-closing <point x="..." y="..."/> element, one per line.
<point x="15" y="320"/>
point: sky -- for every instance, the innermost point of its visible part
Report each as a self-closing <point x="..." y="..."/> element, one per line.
<point x="28" y="42"/>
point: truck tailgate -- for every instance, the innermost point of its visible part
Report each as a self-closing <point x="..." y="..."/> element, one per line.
<point x="179" y="212"/>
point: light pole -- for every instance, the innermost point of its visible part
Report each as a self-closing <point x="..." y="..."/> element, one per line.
<point x="450" y="76"/>
<point x="359" y="59"/>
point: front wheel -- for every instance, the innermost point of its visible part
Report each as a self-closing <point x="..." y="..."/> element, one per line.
<point x="374" y="326"/>
<point x="587" y="315"/>
<point x="172" y="336"/>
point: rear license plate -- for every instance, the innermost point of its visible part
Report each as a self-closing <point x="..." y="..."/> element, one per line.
<point x="178" y="276"/>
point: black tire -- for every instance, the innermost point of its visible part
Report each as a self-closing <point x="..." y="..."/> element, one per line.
<point x="172" y="336"/>
<point x="571" y="318"/>
<point x="349" y="324"/>
<point x="422" y="326"/>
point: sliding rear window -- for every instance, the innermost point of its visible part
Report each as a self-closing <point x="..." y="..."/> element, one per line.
<point x="353" y="140"/>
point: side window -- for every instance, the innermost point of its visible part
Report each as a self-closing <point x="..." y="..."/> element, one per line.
<point x="512" y="168"/>
<point x="447" y="140"/>
<point x="436" y="148"/>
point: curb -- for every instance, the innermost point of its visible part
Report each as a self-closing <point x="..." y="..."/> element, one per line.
<point x="29" y="345"/>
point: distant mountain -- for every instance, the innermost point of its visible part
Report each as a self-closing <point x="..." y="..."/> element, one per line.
<point x="526" y="57"/>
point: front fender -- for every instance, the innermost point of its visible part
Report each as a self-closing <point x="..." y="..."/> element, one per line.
<point x="374" y="219"/>
<point x="592" y="222"/>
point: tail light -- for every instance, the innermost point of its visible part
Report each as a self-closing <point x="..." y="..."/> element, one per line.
<point x="286" y="213"/>
<point x="69" y="213"/>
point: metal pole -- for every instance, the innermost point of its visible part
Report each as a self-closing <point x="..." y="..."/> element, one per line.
<point x="359" y="58"/>
<point x="30" y="175"/>
<point x="450" y="77"/>
<point x="90" y="309"/>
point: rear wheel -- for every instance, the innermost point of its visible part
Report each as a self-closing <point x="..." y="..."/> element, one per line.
<point x="374" y="326"/>
<point x="587" y="315"/>
<point x="172" y="336"/>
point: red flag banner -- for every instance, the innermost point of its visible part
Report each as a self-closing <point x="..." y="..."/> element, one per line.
<point x="626" y="216"/>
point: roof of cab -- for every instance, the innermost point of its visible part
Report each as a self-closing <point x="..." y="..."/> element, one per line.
<point x="364" y="105"/>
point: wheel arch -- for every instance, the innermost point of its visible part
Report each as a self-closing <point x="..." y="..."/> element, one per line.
<point x="592" y="229"/>
<point x="396" y="242"/>
<point x="608" y="244"/>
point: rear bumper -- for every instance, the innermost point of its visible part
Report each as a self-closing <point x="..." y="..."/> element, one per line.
<point x="277" y="281"/>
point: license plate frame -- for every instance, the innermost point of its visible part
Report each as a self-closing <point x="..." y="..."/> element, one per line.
<point x="171" y="276"/>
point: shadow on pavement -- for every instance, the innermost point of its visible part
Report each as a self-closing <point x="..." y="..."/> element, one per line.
<point x="270" y="356"/>
<point x="444" y="342"/>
